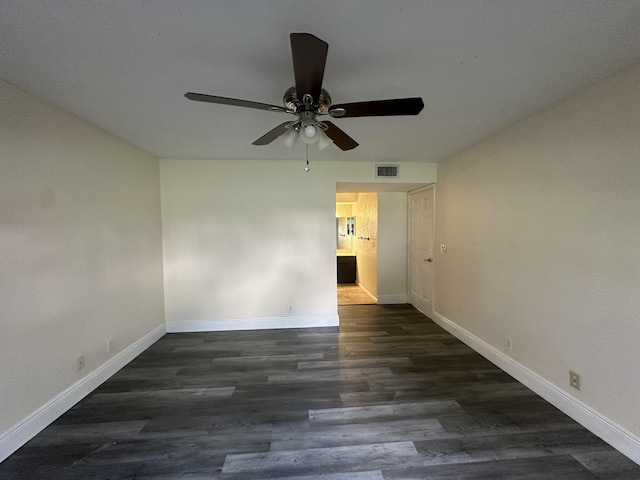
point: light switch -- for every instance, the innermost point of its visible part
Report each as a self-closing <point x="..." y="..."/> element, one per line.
<point x="443" y="248"/>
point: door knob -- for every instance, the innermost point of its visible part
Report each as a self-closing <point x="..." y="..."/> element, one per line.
<point x="429" y="260"/>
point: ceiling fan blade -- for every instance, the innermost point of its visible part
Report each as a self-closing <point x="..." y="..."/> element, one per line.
<point x="309" y="55"/>
<point x="272" y="134"/>
<point x="201" y="97"/>
<point x="378" y="108"/>
<point x="341" y="139"/>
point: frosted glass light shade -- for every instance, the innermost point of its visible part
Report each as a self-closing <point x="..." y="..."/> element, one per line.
<point x="290" y="138"/>
<point x="323" y="140"/>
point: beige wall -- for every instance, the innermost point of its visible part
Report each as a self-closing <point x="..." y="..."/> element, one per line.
<point x="542" y="224"/>
<point x="366" y="244"/>
<point x="344" y="210"/>
<point x="245" y="239"/>
<point x="364" y="172"/>
<point x="80" y="250"/>
<point x="392" y="247"/>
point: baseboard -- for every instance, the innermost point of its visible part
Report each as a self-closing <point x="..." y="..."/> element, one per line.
<point x="12" y="439"/>
<point x="368" y="292"/>
<point x="392" y="299"/>
<point x="252" y="324"/>
<point x="615" y="435"/>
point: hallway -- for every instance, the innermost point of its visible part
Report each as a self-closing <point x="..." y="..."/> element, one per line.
<point x="353" y="294"/>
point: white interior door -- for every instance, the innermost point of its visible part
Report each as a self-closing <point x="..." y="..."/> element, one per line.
<point x="421" y="214"/>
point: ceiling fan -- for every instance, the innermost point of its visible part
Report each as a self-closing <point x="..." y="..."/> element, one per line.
<point x="307" y="100"/>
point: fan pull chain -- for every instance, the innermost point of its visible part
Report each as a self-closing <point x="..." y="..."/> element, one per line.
<point x="307" y="167"/>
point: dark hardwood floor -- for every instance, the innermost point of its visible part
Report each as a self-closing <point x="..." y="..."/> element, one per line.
<point x="388" y="395"/>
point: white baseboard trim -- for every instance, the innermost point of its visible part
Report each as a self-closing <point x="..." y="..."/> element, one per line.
<point x="12" y="439"/>
<point x="392" y="299"/>
<point x="368" y="292"/>
<point x="267" y="323"/>
<point x="615" y="435"/>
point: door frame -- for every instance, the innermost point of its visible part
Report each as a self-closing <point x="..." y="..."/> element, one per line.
<point x="433" y="242"/>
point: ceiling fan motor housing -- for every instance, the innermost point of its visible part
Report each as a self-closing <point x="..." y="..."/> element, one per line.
<point x="292" y="102"/>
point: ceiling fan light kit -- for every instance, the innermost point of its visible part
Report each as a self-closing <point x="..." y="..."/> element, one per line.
<point x="311" y="133"/>
<point x="323" y="140"/>
<point x="307" y="100"/>
<point x="290" y="138"/>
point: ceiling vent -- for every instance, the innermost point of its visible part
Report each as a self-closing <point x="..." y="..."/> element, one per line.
<point x="387" y="171"/>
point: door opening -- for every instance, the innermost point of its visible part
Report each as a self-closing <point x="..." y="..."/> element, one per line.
<point x="356" y="248"/>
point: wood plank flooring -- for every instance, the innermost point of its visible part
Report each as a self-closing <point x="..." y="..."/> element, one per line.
<point x="388" y="395"/>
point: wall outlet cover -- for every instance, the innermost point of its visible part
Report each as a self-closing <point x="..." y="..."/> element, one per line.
<point x="574" y="380"/>
<point x="80" y="362"/>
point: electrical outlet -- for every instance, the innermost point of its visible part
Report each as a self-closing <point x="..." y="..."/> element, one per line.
<point x="289" y="308"/>
<point x="508" y="344"/>
<point x="574" y="380"/>
<point x="111" y="345"/>
<point x="80" y="362"/>
<point x="443" y="248"/>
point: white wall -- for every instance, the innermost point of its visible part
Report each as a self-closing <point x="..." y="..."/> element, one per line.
<point x="245" y="239"/>
<point x="364" y="173"/>
<point x="392" y="247"/>
<point x="80" y="251"/>
<point x="542" y="224"/>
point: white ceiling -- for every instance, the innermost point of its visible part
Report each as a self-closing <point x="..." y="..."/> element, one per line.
<point x="479" y="65"/>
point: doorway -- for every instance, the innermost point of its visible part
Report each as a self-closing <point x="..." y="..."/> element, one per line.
<point x="356" y="234"/>
<point x="381" y="219"/>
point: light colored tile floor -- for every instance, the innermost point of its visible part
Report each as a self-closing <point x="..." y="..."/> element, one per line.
<point x="352" y="294"/>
